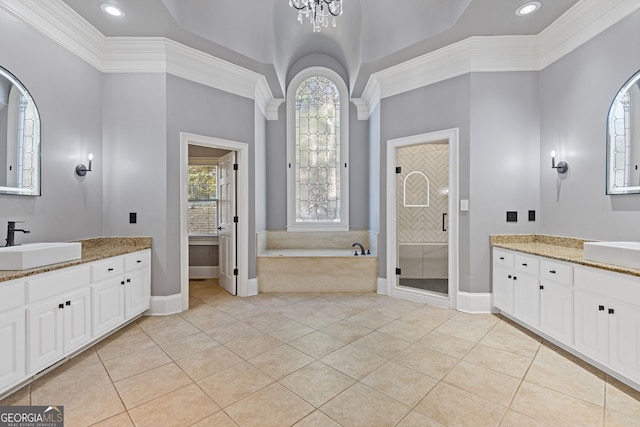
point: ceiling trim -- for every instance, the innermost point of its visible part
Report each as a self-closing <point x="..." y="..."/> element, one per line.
<point x="56" y="20"/>
<point x="585" y="20"/>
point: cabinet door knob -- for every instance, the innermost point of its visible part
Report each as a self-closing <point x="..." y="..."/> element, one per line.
<point x="552" y="271"/>
<point x="509" y="277"/>
<point x="128" y="280"/>
<point x="60" y="306"/>
<point x="502" y="258"/>
<point x="515" y="278"/>
<point x="541" y="287"/>
<point x="611" y="311"/>
<point x="139" y="261"/>
<point x="601" y="308"/>
<point x="524" y="264"/>
<point x="109" y="269"/>
<point x="122" y="282"/>
<point x="68" y="303"/>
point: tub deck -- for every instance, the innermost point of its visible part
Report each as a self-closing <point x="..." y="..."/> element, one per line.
<point x="322" y="262"/>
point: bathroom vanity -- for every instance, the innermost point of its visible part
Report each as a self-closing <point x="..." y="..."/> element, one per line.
<point x="588" y="308"/>
<point x="50" y="314"/>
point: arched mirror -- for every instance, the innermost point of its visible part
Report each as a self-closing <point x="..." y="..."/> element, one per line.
<point x="623" y="139"/>
<point x="19" y="138"/>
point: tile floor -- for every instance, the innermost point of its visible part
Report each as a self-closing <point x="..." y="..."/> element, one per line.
<point x="328" y="360"/>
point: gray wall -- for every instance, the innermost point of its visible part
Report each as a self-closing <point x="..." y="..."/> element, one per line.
<point x="443" y="105"/>
<point x="497" y="115"/>
<point x="202" y="110"/>
<point x="576" y="93"/>
<point x="504" y="166"/>
<point x="68" y="94"/>
<point x="276" y="171"/>
<point x="135" y="170"/>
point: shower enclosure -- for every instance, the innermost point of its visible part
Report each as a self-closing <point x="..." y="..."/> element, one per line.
<point x="422" y="212"/>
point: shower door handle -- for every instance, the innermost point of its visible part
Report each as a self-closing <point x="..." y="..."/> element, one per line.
<point x="444" y="221"/>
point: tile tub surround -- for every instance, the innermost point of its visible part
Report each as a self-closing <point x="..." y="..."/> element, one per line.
<point x="93" y="249"/>
<point x="316" y="262"/>
<point x="328" y="360"/>
<point x="561" y="248"/>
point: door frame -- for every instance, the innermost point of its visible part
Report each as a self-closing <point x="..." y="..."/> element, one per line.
<point x="242" y="200"/>
<point x="452" y="136"/>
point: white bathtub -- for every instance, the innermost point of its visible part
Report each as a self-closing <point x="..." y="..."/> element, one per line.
<point x="316" y="268"/>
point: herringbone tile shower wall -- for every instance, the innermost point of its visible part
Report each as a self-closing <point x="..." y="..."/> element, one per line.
<point x="423" y="224"/>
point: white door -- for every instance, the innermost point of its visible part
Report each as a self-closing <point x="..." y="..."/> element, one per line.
<point x="624" y="338"/>
<point x="12" y="351"/>
<point x="77" y="319"/>
<point x="227" y="228"/>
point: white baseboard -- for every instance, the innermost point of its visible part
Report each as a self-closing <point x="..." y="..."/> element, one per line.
<point x="382" y="286"/>
<point x="252" y="287"/>
<point x="162" y="306"/>
<point x="204" y="272"/>
<point x="475" y="302"/>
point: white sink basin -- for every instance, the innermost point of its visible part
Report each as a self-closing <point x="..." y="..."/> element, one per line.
<point x="624" y="254"/>
<point x="32" y="255"/>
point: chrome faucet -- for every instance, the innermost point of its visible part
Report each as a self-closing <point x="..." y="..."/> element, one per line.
<point x="11" y="230"/>
<point x="361" y="248"/>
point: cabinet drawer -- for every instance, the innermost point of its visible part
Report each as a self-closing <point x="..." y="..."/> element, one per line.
<point x="108" y="268"/>
<point x="556" y="271"/>
<point x="46" y="285"/>
<point x="527" y="264"/>
<point x="623" y="287"/>
<point x="503" y="258"/>
<point x="12" y="294"/>
<point x="136" y="260"/>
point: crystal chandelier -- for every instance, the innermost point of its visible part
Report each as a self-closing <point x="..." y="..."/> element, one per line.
<point x="318" y="11"/>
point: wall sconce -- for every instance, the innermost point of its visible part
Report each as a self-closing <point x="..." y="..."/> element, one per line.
<point x="561" y="167"/>
<point x="81" y="170"/>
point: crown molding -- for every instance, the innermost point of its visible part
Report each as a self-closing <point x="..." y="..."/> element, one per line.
<point x="60" y="23"/>
<point x="56" y="20"/>
<point x="585" y="20"/>
<point x="362" y="107"/>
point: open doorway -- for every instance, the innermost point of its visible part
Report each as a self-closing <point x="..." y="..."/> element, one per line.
<point x="211" y="208"/>
<point x="422" y="218"/>
<point x="232" y="194"/>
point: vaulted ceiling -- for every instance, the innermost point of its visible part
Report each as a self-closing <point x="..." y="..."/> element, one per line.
<point x="264" y="35"/>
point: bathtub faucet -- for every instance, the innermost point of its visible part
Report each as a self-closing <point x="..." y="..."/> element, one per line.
<point x="361" y="247"/>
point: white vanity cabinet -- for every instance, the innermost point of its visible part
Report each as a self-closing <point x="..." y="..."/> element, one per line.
<point x="137" y="283"/>
<point x="58" y="319"/>
<point x="556" y="300"/>
<point x="120" y="290"/>
<point x="607" y="319"/>
<point x="503" y="287"/>
<point x="47" y="317"/>
<point x="12" y="333"/>
<point x="527" y="289"/>
<point x="107" y="294"/>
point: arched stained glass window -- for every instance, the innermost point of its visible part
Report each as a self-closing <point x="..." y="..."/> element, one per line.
<point x="317" y="151"/>
<point x="318" y="172"/>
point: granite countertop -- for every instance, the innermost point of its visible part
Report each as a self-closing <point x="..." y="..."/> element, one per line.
<point x="560" y="248"/>
<point x="93" y="249"/>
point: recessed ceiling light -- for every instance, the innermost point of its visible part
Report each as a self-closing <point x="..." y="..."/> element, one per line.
<point x="528" y="8"/>
<point x="112" y="10"/>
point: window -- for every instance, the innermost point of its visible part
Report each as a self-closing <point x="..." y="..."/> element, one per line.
<point x="203" y="198"/>
<point x="317" y="140"/>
